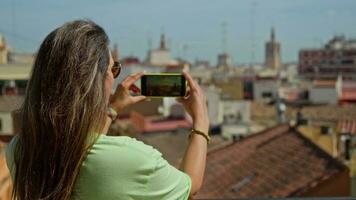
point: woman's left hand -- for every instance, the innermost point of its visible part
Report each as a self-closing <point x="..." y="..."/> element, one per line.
<point x="122" y="97"/>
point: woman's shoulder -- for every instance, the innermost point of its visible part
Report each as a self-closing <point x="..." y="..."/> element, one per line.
<point x="126" y="143"/>
<point x="122" y="149"/>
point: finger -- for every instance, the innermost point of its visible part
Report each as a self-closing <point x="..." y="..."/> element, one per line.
<point x="190" y="80"/>
<point x="136" y="99"/>
<point x="131" y="79"/>
<point x="187" y="95"/>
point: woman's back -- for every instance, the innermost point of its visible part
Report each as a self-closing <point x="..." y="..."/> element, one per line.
<point x="124" y="168"/>
<point x="69" y="98"/>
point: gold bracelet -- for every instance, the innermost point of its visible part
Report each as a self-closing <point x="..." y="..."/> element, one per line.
<point x="207" y="137"/>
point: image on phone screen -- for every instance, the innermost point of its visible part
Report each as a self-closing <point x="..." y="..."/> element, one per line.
<point x="163" y="85"/>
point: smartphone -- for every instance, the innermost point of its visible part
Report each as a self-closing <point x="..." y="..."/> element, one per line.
<point x="163" y="85"/>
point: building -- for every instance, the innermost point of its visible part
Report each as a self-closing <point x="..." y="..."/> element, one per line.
<point x="232" y="87"/>
<point x="337" y="57"/>
<point x="224" y="60"/>
<point x="160" y="56"/>
<point x="149" y="124"/>
<point x="346" y="90"/>
<point x="265" y="89"/>
<point x="236" y="111"/>
<point x="278" y="162"/>
<point x="237" y="118"/>
<point x="21" y="58"/>
<point x="3" y="50"/>
<point x="201" y="74"/>
<point x="273" y="52"/>
<point x="14" y="77"/>
<point x="340" y="119"/>
<point x="215" y="109"/>
<point x="323" y="92"/>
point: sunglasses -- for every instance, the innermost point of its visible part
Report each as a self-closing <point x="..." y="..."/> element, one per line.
<point x="116" y="69"/>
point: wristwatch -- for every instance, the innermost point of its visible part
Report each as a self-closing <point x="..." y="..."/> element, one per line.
<point x="207" y="137"/>
<point x="112" y="113"/>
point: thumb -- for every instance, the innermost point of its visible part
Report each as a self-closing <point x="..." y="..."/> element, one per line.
<point x="136" y="99"/>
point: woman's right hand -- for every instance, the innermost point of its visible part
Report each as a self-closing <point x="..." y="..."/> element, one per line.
<point x="122" y="97"/>
<point x="195" y="104"/>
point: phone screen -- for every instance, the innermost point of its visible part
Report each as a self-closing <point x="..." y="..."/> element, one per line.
<point x="163" y="85"/>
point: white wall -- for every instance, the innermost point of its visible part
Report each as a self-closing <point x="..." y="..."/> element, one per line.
<point x="215" y="109"/>
<point x="230" y="130"/>
<point x="323" y="95"/>
<point x="262" y="86"/>
<point x="233" y="110"/>
<point x="160" y="57"/>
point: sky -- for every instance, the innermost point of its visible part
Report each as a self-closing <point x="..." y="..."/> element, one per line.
<point x="194" y="28"/>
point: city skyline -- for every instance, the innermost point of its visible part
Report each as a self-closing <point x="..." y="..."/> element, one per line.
<point x="194" y="30"/>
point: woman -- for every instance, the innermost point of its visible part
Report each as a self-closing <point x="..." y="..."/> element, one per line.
<point x="62" y="151"/>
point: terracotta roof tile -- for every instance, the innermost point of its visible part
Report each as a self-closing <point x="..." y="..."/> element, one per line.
<point x="278" y="162"/>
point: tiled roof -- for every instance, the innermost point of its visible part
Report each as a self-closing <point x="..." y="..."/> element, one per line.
<point x="332" y="113"/>
<point x="347" y="126"/>
<point x="324" y="83"/>
<point x="278" y="162"/>
<point x="172" y="144"/>
<point x="348" y="94"/>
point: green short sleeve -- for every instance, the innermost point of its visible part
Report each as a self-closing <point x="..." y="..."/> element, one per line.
<point x="126" y="168"/>
<point x="167" y="182"/>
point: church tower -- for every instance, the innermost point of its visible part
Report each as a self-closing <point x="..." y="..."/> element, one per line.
<point x="162" y="44"/>
<point x="273" y="52"/>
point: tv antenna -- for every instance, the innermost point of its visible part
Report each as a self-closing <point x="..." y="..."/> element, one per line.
<point x="224" y="37"/>
<point x="252" y="29"/>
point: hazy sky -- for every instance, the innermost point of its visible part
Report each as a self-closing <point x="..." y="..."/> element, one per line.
<point x="193" y="27"/>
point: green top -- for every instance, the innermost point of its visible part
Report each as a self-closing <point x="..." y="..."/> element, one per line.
<point x="121" y="167"/>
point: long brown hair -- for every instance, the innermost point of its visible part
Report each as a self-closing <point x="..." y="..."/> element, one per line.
<point x="64" y="107"/>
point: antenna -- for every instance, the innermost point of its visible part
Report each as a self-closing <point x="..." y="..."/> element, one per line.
<point x="252" y="26"/>
<point x="149" y="41"/>
<point x="185" y="49"/>
<point x="13" y="17"/>
<point x="224" y="37"/>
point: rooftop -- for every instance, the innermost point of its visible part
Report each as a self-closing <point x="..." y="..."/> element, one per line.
<point x="331" y="113"/>
<point x="278" y="162"/>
